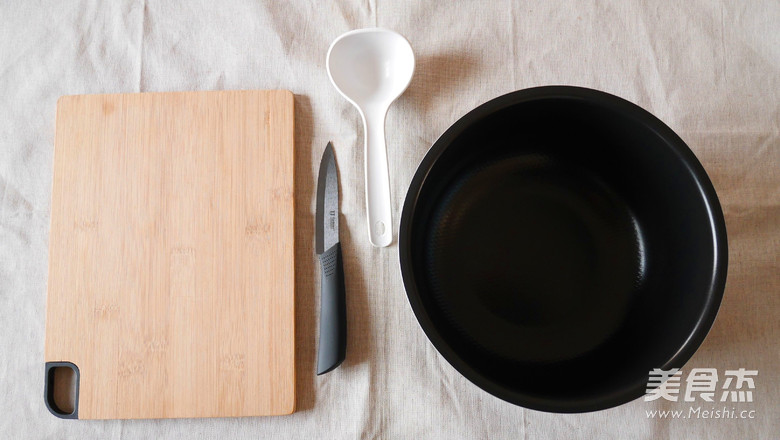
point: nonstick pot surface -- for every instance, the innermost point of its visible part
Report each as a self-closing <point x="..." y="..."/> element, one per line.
<point x="558" y="243"/>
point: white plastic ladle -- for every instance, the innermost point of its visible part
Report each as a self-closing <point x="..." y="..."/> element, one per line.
<point x="371" y="68"/>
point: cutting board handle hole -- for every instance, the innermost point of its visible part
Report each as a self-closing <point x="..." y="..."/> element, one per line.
<point x="62" y="389"/>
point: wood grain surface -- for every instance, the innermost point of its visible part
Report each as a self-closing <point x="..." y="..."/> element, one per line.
<point x="171" y="272"/>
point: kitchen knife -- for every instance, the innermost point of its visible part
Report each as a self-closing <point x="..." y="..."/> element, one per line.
<point x="333" y="310"/>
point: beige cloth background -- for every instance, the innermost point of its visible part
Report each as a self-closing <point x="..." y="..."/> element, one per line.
<point x="709" y="69"/>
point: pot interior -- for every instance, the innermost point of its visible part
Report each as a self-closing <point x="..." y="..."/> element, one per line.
<point x="559" y="248"/>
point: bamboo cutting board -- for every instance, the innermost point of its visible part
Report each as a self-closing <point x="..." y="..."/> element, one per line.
<point x="171" y="273"/>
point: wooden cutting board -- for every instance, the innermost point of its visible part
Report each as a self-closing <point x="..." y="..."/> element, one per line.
<point x="171" y="274"/>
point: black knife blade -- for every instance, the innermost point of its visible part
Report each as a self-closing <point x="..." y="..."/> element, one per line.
<point x="333" y="312"/>
<point x="327" y="213"/>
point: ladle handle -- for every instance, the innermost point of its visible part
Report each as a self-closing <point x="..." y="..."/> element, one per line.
<point x="380" y="221"/>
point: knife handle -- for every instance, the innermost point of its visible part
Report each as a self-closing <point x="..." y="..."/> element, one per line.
<point x="333" y="311"/>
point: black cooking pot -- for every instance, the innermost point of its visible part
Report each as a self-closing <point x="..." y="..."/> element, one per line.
<point x="558" y="243"/>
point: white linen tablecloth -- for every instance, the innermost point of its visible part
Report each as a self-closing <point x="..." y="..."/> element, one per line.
<point x="709" y="69"/>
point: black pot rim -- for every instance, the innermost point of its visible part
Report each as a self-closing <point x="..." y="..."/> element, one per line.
<point x="717" y="224"/>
